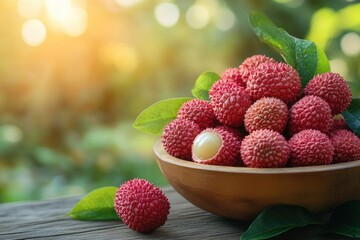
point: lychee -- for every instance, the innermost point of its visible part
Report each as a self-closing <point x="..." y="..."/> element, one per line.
<point x="346" y="146"/>
<point x="178" y="137"/>
<point x="310" y="112"/>
<point x="266" y="113"/>
<point x="310" y="147"/>
<point x="233" y="75"/>
<point x="339" y="123"/>
<point x="237" y="132"/>
<point x="198" y="111"/>
<point x="251" y="63"/>
<point x="272" y="79"/>
<point x="230" y="102"/>
<point x="216" y="146"/>
<point x="332" y="88"/>
<point x="141" y="205"/>
<point x="265" y="149"/>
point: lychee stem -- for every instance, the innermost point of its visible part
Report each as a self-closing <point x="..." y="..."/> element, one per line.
<point x="206" y="145"/>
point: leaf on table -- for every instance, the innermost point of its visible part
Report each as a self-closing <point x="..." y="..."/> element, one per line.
<point x="345" y="220"/>
<point x="352" y="116"/>
<point x="97" y="205"/>
<point x="203" y="84"/>
<point x="302" y="55"/>
<point x="276" y="220"/>
<point x="154" y="118"/>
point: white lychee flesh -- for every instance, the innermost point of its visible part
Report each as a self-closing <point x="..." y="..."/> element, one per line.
<point x="206" y="145"/>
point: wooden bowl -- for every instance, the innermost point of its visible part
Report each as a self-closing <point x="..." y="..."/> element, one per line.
<point x="242" y="193"/>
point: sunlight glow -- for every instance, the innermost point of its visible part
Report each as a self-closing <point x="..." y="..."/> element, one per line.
<point x="167" y="14"/>
<point x="350" y="44"/>
<point x="33" y="32"/>
<point x="29" y="8"/>
<point x="128" y="3"/>
<point x="197" y="16"/>
<point x="67" y="16"/>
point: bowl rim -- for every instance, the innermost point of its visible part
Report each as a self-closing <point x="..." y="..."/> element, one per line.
<point x="162" y="155"/>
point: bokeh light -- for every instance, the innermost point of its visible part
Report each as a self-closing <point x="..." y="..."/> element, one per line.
<point x="338" y="65"/>
<point x="225" y="19"/>
<point x="167" y="14"/>
<point x="350" y="44"/>
<point x="197" y="16"/>
<point x="128" y="3"/>
<point x="33" y="32"/>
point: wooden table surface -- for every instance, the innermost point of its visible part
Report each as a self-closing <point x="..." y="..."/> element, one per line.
<point x="47" y="219"/>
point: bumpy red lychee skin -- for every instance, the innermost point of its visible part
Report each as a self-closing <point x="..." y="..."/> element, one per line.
<point x="141" y="205"/>
<point x="310" y="112"/>
<point x="265" y="149"/>
<point x="228" y="154"/>
<point x="309" y="148"/>
<point x="237" y="132"/>
<point x="230" y="102"/>
<point x="346" y="146"/>
<point x="251" y="63"/>
<point x="198" y="111"/>
<point x="233" y="75"/>
<point x="277" y="80"/>
<point x="267" y="113"/>
<point x="331" y="87"/>
<point x="178" y="136"/>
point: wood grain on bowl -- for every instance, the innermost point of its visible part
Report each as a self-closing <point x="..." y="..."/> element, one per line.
<point x="242" y="193"/>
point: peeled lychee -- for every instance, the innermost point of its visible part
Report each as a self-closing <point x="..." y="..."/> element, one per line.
<point x="265" y="149"/>
<point x="141" y="205"/>
<point x="346" y="146"/>
<point x="251" y="63"/>
<point x="272" y="79"/>
<point x="266" y="113"/>
<point x="230" y="102"/>
<point x="310" y="147"/>
<point x="332" y="88"/>
<point x="233" y="75"/>
<point x="198" y="111"/>
<point x="178" y="137"/>
<point x="216" y="146"/>
<point x="310" y="112"/>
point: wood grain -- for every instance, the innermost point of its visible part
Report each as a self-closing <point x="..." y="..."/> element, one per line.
<point x="47" y="220"/>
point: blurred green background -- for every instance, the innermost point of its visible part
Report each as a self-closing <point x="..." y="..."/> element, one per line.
<point x="75" y="74"/>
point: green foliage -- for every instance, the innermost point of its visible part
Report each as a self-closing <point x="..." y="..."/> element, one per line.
<point x="352" y="116"/>
<point x="154" y="118"/>
<point x="302" y="55"/>
<point x="345" y="220"/>
<point x="276" y="220"/>
<point x="203" y="84"/>
<point x="97" y="205"/>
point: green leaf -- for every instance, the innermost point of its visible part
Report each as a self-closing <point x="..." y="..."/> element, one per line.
<point x="352" y="116"/>
<point x="276" y="220"/>
<point x="302" y="55"/>
<point x="97" y="205"/>
<point x="154" y="118"/>
<point x="203" y="84"/>
<point x="345" y="220"/>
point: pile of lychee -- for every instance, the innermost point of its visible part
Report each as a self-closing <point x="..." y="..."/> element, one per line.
<point x="259" y="116"/>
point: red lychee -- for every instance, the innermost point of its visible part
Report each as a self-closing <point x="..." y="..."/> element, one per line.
<point x="266" y="113"/>
<point x="230" y="102"/>
<point x="310" y="147"/>
<point x="277" y="80"/>
<point x="310" y="112"/>
<point x="178" y="137"/>
<point x="265" y="149"/>
<point x="251" y="63"/>
<point x="141" y="205"/>
<point x="332" y="88"/>
<point x="346" y="146"/>
<point x="198" y="111"/>
<point x="233" y="75"/>
<point x="216" y="146"/>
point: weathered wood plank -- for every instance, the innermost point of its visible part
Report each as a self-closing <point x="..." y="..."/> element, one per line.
<point x="47" y="220"/>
